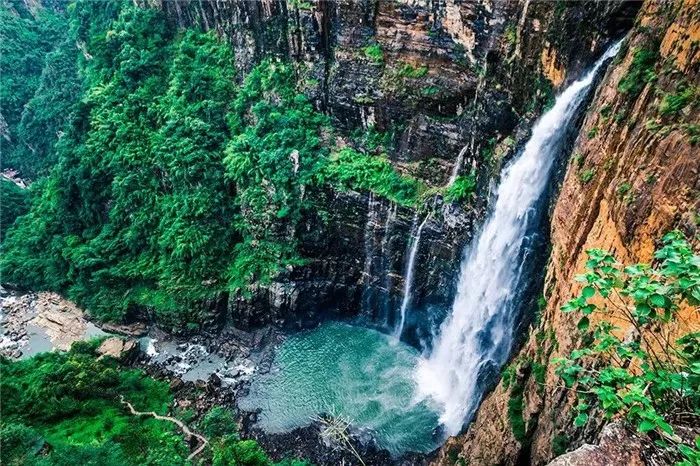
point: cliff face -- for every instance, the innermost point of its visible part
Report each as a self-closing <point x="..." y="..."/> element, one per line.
<point x="633" y="176"/>
<point x="452" y="85"/>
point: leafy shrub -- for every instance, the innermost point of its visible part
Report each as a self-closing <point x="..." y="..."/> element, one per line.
<point x="515" y="413"/>
<point x="407" y="70"/>
<point x="587" y="175"/>
<point x="71" y="400"/>
<point x="640" y="72"/>
<point x="374" y="53"/>
<point x="36" y="88"/>
<point x="462" y="189"/>
<point x="623" y="189"/>
<point x="172" y="185"/>
<point x="674" y="103"/>
<point x="63" y="407"/>
<point x="560" y="443"/>
<point x="19" y="444"/>
<point x="218" y="422"/>
<point x="15" y="203"/>
<point x="349" y="169"/>
<point x="649" y="378"/>
<point x="274" y="155"/>
<point x="693" y="132"/>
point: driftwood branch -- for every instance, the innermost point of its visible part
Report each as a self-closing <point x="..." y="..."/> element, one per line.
<point x="335" y="428"/>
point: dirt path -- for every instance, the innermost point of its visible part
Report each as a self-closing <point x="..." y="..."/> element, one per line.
<point x="203" y="442"/>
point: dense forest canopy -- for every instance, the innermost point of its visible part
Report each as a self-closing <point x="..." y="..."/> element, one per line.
<point x="169" y="179"/>
<point x="65" y="408"/>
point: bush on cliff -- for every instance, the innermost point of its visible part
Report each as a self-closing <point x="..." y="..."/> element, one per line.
<point x="172" y="185"/>
<point x="651" y="378"/>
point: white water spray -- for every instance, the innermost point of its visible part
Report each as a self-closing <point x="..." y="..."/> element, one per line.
<point x="478" y="333"/>
<point x="409" y="276"/>
<point x="458" y="164"/>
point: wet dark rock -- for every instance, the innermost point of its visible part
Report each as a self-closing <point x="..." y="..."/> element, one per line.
<point x="215" y="380"/>
<point x="176" y="383"/>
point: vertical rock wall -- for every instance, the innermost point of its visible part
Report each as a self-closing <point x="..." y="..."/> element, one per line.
<point x="441" y="78"/>
<point x="634" y="175"/>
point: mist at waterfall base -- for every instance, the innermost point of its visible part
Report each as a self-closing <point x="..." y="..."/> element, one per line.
<point x="361" y="374"/>
<point x="401" y="399"/>
<point x="475" y="340"/>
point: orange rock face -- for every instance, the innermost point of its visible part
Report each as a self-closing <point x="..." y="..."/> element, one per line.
<point x="633" y="176"/>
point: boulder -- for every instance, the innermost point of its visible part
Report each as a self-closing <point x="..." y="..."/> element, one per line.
<point x="616" y="446"/>
<point x="115" y="347"/>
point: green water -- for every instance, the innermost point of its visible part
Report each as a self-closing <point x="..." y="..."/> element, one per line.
<point x="359" y="373"/>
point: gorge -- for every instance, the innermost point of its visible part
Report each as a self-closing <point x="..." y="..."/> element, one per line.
<point x="349" y="232"/>
<point x="476" y="338"/>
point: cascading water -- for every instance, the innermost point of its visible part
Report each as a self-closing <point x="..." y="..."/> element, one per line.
<point x="385" y="262"/>
<point x="409" y="276"/>
<point x="369" y="252"/>
<point x="478" y="334"/>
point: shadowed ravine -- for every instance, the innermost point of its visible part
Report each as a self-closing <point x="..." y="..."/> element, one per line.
<point x="389" y="392"/>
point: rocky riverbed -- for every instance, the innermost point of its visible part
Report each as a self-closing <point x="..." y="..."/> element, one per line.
<point x="203" y="370"/>
<point x="35" y="322"/>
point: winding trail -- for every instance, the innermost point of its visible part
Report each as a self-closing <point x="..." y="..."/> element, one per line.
<point x="203" y="442"/>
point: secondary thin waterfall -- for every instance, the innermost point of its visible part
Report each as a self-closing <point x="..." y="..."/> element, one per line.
<point x="409" y="276"/>
<point x="477" y="336"/>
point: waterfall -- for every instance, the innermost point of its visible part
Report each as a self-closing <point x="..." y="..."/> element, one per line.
<point x="385" y="263"/>
<point x="470" y="145"/>
<point x="477" y="335"/>
<point x="458" y="164"/>
<point x="369" y="253"/>
<point x="409" y="274"/>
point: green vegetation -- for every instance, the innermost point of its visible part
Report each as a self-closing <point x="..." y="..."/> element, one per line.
<point x="692" y="130"/>
<point x="514" y="378"/>
<point x="137" y="211"/>
<point x="510" y="34"/>
<point x="69" y="400"/>
<point x="674" y="103"/>
<point x="349" y="169"/>
<point x="515" y="413"/>
<point x="374" y="53"/>
<point x="14" y="202"/>
<point x="407" y="70"/>
<point x="640" y="73"/>
<point x="587" y="175"/>
<point x="172" y="185"/>
<point x="623" y="189"/>
<point x="430" y="91"/>
<point x="462" y="189"/>
<point x="275" y="154"/>
<point x="650" y="378"/>
<point x="63" y="407"/>
<point x="371" y="140"/>
<point x="560" y="444"/>
<point x="37" y="84"/>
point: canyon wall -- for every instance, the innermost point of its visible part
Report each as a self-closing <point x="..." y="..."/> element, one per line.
<point x="452" y="86"/>
<point x="632" y="177"/>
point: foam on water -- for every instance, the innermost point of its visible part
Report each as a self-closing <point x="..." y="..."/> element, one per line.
<point x="359" y="373"/>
